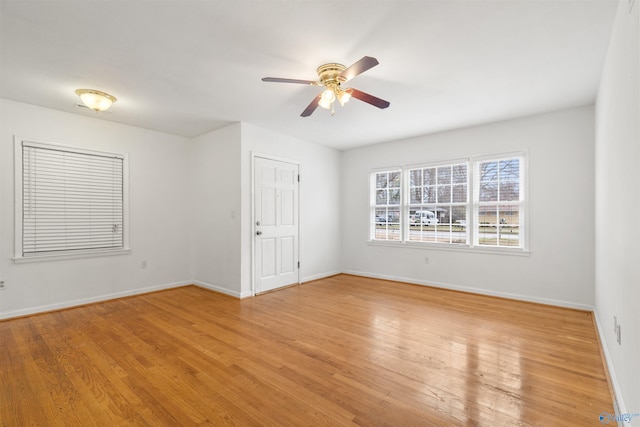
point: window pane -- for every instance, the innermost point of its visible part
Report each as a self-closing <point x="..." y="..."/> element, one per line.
<point x="444" y="175"/>
<point x="488" y="235"/>
<point x="509" y="235"/>
<point x="459" y="234"/>
<point x="394" y="196"/>
<point x="444" y="215"/>
<point x="416" y="196"/>
<point x="510" y="180"/>
<point x="459" y="193"/>
<point x="393" y="216"/>
<point x="488" y="191"/>
<point x="509" y="169"/>
<point x="394" y="179"/>
<point x="489" y="171"/>
<point x="429" y="176"/>
<point x="509" y="191"/>
<point x="388" y="198"/>
<point x="444" y="194"/>
<point x="415" y="177"/>
<point x="499" y="225"/>
<point x="459" y="174"/>
<point x="429" y="194"/>
<point x="381" y="180"/>
<point x="509" y="214"/>
<point x="459" y="215"/>
<point x="387" y="232"/>
<point x="488" y="215"/>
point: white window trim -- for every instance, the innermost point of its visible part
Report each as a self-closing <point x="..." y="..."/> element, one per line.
<point x="372" y="199"/>
<point x="471" y="172"/>
<point x="18" y="204"/>
<point x="407" y="198"/>
<point x="524" y="198"/>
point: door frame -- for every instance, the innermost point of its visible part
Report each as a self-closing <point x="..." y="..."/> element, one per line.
<point x="255" y="155"/>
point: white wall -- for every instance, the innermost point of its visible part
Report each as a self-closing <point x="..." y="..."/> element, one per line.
<point x="190" y="215"/>
<point x="159" y="173"/>
<point x="319" y="200"/>
<point x="559" y="269"/>
<point x="216" y="210"/>
<point x="617" y="284"/>
<point x="222" y="232"/>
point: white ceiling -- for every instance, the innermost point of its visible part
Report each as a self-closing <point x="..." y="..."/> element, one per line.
<point x="191" y="66"/>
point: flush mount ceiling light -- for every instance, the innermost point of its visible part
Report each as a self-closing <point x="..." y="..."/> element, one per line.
<point x="95" y="99"/>
<point x="332" y="76"/>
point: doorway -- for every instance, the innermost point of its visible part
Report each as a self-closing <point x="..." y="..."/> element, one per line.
<point x="275" y="216"/>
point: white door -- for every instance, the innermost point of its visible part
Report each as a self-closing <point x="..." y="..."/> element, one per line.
<point x="276" y="224"/>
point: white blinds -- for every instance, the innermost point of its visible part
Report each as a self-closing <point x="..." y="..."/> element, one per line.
<point x="71" y="200"/>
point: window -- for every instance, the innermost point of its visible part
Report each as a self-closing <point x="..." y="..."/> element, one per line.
<point x="472" y="202"/>
<point x="386" y="196"/>
<point x="438" y="200"/>
<point x="71" y="200"/>
<point x="498" y="207"/>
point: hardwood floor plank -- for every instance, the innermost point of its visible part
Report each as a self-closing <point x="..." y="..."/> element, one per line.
<point x="342" y="351"/>
<point x="19" y="398"/>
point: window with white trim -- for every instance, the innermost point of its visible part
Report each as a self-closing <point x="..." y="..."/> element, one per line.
<point x="438" y="201"/>
<point x="386" y="196"/>
<point x="71" y="200"/>
<point x="475" y="202"/>
<point x="498" y="203"/>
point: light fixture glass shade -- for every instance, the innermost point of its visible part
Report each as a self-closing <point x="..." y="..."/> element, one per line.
<point x="343" y="96"/>
<point x="327" y="98"/>
<point x="95" y="99"/>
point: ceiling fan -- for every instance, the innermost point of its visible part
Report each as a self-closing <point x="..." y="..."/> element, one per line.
<point x="332" y="76"/>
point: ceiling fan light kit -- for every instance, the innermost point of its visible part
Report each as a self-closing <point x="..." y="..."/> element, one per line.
<point x="332" y="76"/>
<point x="95" y="99"/>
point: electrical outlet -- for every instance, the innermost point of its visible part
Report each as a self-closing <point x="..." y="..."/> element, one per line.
<point x="143" y="264"/>
<point x="2" y="285"/>
<point x="426" y="260"/>
<point x="619" y="335"/>
<point x="617" y="330"/>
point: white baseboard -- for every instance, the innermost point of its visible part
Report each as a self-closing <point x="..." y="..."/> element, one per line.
<point x="479" y="291"/>
<point x="618" y="404"/>
<point x="318" y="276"/>
<point x="83" y="301"/>
<point x="222" y="289"/>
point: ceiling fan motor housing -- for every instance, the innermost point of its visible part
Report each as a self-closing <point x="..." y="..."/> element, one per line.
<point x="329" y="74"/>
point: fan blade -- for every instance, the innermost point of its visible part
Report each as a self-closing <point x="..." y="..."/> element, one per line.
<point x="279" y="80"/>
<point x="312" y="107"/>
<point x="358" y="68"/>
<point x="369" y="99"/>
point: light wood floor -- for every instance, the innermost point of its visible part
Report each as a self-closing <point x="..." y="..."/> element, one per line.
<point x="339" y="351"/>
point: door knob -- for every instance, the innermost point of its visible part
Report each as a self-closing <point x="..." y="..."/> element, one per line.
<point x="259" y="233"/>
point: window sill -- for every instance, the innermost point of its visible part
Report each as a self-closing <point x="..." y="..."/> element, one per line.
<point x="451" y="248"/>
<point x="67" y="256"/>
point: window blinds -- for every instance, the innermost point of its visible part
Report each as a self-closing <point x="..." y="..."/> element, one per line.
<point x="71" y="200"/>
